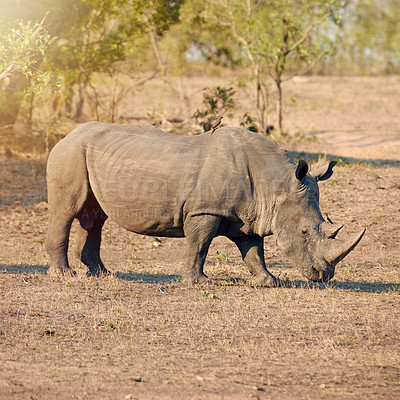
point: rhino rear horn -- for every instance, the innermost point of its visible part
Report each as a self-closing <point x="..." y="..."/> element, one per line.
<point x="330" y="230"/>
<point x="337" y="252"/>
<point x="323" y="173"/>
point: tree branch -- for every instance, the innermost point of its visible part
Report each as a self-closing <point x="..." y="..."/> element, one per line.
<point x="309" y="30"/>
<point x="238" y="37"/>
<point x="154" y="45"/>
<point x="248" y="16"/>
<point x="10" y="69"/>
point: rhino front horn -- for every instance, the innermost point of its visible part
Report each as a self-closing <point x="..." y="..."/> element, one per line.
<point x="338" y="251"/>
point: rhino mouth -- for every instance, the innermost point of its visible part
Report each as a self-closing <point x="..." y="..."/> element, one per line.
<point x="323" y="275"/>
<point x="334" y="250"/>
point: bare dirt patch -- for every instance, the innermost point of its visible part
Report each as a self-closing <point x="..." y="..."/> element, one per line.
<point x="141" y="334"/>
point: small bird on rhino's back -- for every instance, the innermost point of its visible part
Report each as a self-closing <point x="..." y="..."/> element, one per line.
<point x="216" y="125"/>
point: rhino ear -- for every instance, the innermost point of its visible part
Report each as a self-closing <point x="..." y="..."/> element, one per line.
<point x="323" y="173"/>
<point x="301" y="170"/>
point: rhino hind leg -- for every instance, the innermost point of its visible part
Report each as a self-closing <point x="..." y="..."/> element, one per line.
<point x="199" y="232"/>
<point x="57" y="244"/>
<point x="91" y="220"/>
<point x="252" y="251"/>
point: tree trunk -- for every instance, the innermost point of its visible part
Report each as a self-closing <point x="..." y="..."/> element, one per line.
<point x="262" y="103"/>
<point x="260" y="107"/>
<point x="11" y="99"/>
<point x="29" y="117"/>
<point x="81" y="101"/>
<point x="68" y="96"/>
<point x="10" y="105"/>
<point x="279" y="104"/>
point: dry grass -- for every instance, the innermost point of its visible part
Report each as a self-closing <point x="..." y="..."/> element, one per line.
<point x="115" y="337"/>
<point x="141" y="334"/>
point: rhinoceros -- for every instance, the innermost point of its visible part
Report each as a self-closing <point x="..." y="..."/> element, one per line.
<point x="234" y="183"/>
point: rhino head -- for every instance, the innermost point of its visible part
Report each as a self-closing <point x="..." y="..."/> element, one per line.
<point x="309" y="242"/>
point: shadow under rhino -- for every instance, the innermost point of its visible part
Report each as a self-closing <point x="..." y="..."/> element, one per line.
<point x="162" y="279"/>
<point x="348" y="286"/>
<point x="148" y="278"/>
<point x="24" y="269"/>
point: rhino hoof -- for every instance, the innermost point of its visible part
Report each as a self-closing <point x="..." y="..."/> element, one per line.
<point x="191" y="280"/>
<point x="267" y="281"/>
<point x="98" y="272"/>
<point x="61" y="271"/>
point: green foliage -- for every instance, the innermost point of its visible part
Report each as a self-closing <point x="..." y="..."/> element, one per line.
<point x="86" y="41"/>
<point x="248" y="122"/>
<point x="92" y="37"/>
<point x="222" y="256"/>
<point x="284" y="279"/>
<point x="343" y="163"/>
<point x="176" y="280"/>
<point x="275" y="37"/>
<point x="272" y="41"/>
<point x="21" y="48"/>
<point x="112" y="325"/>
<point x="395" y="289"/>
<point x="100" y="33"/>
<point x="373" y="35"/>
<point x="164" y="13"/>
<point x="217" y="102"/>
<point x="352" y="269"/>
<point x="206" y="293"/>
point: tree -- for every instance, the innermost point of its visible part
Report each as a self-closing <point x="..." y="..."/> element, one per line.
<point x="158" y="16"/>
<point x="297" y="39"/>
<point x="374" y="35"/>
<point x="102" y="32"/>
<point x="217" y="102"/>
<point x="89" y="41"/>
<point x="21" y="47"/>
<point x="92" y="36"/>
<point x="276" y="37"/>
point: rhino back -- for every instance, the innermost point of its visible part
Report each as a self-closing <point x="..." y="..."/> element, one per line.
<point x="148" y="181"/>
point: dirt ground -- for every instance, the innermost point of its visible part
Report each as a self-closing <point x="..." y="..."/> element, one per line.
<point x="141" y="334"/>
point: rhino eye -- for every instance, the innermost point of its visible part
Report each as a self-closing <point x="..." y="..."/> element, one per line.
<point x="304" y="231"/>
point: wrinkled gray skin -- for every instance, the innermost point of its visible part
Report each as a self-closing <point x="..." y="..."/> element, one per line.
<point x="233" y="183"/>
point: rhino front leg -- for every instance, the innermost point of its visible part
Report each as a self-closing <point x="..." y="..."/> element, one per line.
<point x="199" y="232"/>
<point x="252" y="251"/>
